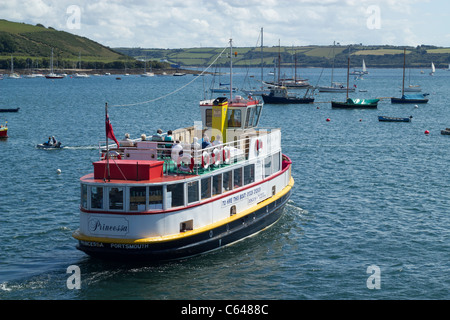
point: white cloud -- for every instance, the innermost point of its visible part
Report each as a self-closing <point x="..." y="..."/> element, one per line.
<point x="189" y="23"/>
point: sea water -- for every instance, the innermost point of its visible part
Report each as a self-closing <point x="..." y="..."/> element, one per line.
<point x="368" y="217"/>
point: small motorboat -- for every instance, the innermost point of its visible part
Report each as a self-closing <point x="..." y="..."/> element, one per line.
<point x="4" y="131"/>
<point x="50" y="144"/>
<point x="9" y="109"/>
<point x="394" y="119"/>
<point x="45" y="145"/>
<point x="446" y="131"/>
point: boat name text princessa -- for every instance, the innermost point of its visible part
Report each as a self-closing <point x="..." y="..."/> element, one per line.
<point x="117" y="226"/>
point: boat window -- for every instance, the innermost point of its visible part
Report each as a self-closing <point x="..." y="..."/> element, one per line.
<point x="84" y="196"/>
<point x="249" y="174"/>
<point x="217" y="184"/>
<point x="250" y="116"/>
<point x="232" y="210"/>
<point x="155" y="198"/>
<point x="227" y="181"/>
<point x="234" y="118"/>
<point x="257" y="114"/>
<point x="267" y="166"/>
<point x="237" y="177"/>
<point x="276" y="165"/>
<point x="116" y="198"/>
<point x="192" y="191"/>
<point x="97" y="197"/>
<point x="175" y="195"/>
<point x="137" y="198"/>
<point x="208" y="117"/>
<point x="206" y="188"/>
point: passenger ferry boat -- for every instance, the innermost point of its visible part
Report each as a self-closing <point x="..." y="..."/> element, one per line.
<point x="157" y="200"/>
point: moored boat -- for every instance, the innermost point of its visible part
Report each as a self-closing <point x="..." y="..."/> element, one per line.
<point x="160" y="200"/>
<point x="280" y="95"/>
<point x="355" y="104"/>
<point x="394" y="119"/>
<point x="408" y="98"/>
<point x="446" y="131"/>
<point x="9" y="109"/>
<point x="4" y="131"/>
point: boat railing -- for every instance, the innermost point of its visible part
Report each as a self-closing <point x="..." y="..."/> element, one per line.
<point x="189" y="158"/>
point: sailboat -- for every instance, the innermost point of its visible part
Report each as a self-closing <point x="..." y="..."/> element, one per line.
<point x="360" y="72"/>
<point x="13" y="75"/>
<point x="52" y="74"/>
<point x="410" y="98"/>
<point x="290" y="83"/>
<point x="433" y="69"/>
<point x="80" y="74"/>
<point x="262" y="89"/>
<point x="335" y="86"/>
<point x="147" y="74"/>
<point x="354" y="103"/>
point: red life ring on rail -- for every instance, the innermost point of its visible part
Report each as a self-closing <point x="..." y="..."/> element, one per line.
<point x="185" y="163"/>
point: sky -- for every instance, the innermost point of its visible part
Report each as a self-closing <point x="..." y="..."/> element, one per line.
<point x="211" y="23"/>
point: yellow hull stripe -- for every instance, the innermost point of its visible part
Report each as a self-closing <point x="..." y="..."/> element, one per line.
<point x="79" y="236"/>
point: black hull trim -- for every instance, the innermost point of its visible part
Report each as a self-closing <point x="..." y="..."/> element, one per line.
<point x="194" y="245"/>
<point x="408" y="101"/>
<point x="273" y="100"/>
<point x="344" y="105"/>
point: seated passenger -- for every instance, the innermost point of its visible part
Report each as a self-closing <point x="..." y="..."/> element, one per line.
<point x="157" y="136"/>
<point x="205" y="143"/>
<point x="126" y="142"/>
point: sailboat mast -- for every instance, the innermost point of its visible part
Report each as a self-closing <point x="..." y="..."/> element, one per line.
<point x="404" y="64"/>
<point x="279" y="61"/>
<point x="332" y="67"/>
<point x="231" y="69"/>
<point x="348" y="71"/>
<point x="262" y="58"/>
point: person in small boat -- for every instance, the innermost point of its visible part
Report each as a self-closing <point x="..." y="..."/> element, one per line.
<point x="49" y="142"/>
<point x="54" y="142"/>
<point x="126" y="142"/>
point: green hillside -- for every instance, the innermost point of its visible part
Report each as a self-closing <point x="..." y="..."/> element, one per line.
<point x="31" y="46"/>
<point x="306" y="56"/>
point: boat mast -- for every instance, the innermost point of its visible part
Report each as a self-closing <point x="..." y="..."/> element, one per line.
<point x="107" y="146"/>
<point x="332" y="67"/>
<point x="348" y="70"/>
<point x="404" y="63"/>
<point x="279" y="61"/>
<point x="262" y="58"/>
<point x="231" y="69"/>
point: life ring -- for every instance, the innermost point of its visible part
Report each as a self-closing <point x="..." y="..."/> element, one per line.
<point x="258" y="145"/>
<point x="112" y="155"/>
<point x="185" y="163"/>
<point x="205" y="160"/>
<point x="215" y="157"/>
<point x="226" y="155"/>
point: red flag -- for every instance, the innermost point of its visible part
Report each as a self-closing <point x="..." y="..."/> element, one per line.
<point x="109" y="130"/>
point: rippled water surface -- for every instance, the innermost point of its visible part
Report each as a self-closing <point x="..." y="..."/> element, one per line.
<point x="366" y="194"/>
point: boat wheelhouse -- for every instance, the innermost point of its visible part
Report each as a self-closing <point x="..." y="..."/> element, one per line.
<point x="158" y="200"/>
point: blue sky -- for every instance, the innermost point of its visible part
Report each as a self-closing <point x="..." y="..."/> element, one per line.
<point x="201" y="23"/>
